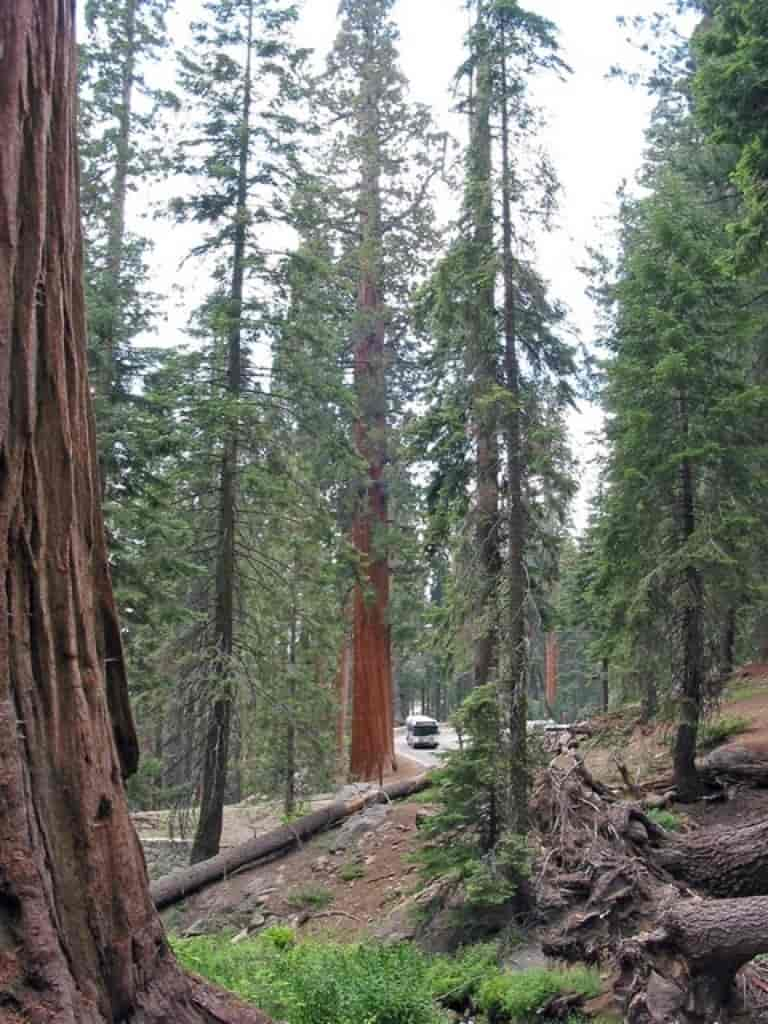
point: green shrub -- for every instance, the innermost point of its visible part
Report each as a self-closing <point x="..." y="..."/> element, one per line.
<point x="280" y="935"/>
<point x="455" y="981"/>
<point x="349" y="872"/>
<point x="712" y="734"/>
<point x="316" y="983"/>
<point x="519" y="997"/>
<point x="315" y="896"/>
<point x="666" y="819"/>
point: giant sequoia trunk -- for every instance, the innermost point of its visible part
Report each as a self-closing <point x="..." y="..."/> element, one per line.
<point x="372" y="725"/>
<point x="80" y="941"/>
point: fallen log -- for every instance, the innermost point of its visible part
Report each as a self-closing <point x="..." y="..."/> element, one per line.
<point x="735" y="763"/>
<point x="728" y="860"/>
<point x="181" y="883"/>
<point x="685" y="970"/>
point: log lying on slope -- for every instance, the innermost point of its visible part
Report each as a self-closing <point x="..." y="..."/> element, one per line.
<point x="685" y="970"/>
<point x="174" y="887"/>
<point x="735" y="762"/>
<point x="730" y="860"/>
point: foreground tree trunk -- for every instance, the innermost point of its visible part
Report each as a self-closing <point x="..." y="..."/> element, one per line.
<point x="80" y="941"/>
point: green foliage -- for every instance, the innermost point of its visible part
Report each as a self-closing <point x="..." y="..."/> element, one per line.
<point x="321" y="983"/>
<point x="349" y="872"/>
<point x="143" y="788"/>
<point x="731" y="51"/>
<point x="467" y="837"/>
<point x="281" y="936"/>
<point x="315" y="896"/>
<point x="455" y="981"/>
<point x="315" y="983"/>
<point x="720" y="730"/>
<point x="518" y="997"/>
<point x="666" y="819"/>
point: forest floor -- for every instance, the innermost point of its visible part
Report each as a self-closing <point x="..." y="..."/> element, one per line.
<point x="359" y="880"/>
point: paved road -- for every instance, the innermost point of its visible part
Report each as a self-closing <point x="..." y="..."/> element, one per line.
<point x="424" y="755"/>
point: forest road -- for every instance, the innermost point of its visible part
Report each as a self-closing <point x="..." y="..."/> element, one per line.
<point x="428" y="757"/>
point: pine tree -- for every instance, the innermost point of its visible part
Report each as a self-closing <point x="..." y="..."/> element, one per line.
<point x="242" y="77"/>
<point x="120" y="150"/>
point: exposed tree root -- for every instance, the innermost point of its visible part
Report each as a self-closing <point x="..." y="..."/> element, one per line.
<point x="613" y="887"/>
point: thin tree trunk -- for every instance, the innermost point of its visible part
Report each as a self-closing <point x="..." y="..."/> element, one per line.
<point x="216" y="754"/>
<point x="516" y="694"/>
<point x="604" y="678"/>
<point x="80" y="942"/>
<point x="289" y="805"/>
<point x="343" y="691"/>
<point x="484" y="364"/>
<point x="727" y="642"/>
<point x="372" y="725"/>
<point x="688" y="636"/>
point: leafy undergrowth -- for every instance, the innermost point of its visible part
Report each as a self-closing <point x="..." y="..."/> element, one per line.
<point x="321" y="983"/>
<point x="666" y="819"/>
<point x="713" y="733"/>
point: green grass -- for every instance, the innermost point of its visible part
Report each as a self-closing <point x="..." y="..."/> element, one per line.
<point x="517" y="998"/>
<point x="349" y="872"/>
<point x="666" y="819"/>
<point x="719" y="730"/>
<point x="309" y="896"/>
<point x="316" y="983"/>
<point x="326" y="983"/>
<point x="738" y="691"/>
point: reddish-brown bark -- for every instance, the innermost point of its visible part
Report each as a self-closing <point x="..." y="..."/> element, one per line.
<point x="372" y="723"/>
<point x="80" y="941"/>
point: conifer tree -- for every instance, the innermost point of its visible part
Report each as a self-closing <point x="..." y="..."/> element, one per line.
<point x="241" y="76"/>
<point x="119" y="145"/>
<point x="387" y="156"/>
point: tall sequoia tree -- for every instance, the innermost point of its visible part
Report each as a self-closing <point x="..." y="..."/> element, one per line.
<point x="81" y="941"/>
<point x="386" y="154"/>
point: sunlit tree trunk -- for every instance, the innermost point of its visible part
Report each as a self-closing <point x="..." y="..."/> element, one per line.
<point x="80" y="941"/>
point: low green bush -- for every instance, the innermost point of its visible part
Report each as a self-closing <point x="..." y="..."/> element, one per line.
<point x="455" y="981"/>
<point x="316" y="983"/>
<point x="325" y="983"/>
<point x="518" y="997"/>
<point x="315" y="896"/>
<point x="349" y="872"/>
<point x="666" y="819"/>
<point x="719" y="730"/>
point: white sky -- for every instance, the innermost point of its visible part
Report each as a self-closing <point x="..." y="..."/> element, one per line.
<point x="594" y="137"/>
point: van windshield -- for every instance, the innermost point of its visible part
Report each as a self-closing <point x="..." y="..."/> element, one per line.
<point x="425" y="729"/>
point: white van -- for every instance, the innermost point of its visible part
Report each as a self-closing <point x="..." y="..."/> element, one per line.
<point x="421" y="731"/>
